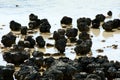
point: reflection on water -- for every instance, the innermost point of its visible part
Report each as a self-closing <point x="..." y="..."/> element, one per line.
<point x="54" y="10"/>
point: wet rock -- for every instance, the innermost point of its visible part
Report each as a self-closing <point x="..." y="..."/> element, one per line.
<point x="8" y="39"/>
<point x="93" y="77"/>
<point x="71" y="32"/>
<point x="111" y="73"/>
<point x="80" y="76"/>
<point x="57" y="36"/>
<point x="83" y="27"/>
<point x="73" y="39"/>
<point x="36" y="62"/>
<point x="52" y="74"/>
<point x="7" y="72"/>
<point x="83" y="48"/>
<point x="116" y="23"/>
<point x="84" y="36"/>
<point x="100" y="50"/>
<point x="108" y="26"/>
<point x="27" y="73"/>
<point x="67" y="70"/>
<point x="40" y="41"/>
<point x="66" y="20"/>
<point x="48" y="62"/>
<point x="109" y="13"/>
<point x="100" y="17"/>
<point x="44" y="26"/>
<point x="34" y="24"/>
<point x="101" y="59"/>
<point x="33" y="17"/>
<point x="30" y="42"/>
<point x="37" y="54"/>
<point x="24" y="30"/>
<point x="100" y="73"/>
<point x="95" y="23"/>
<point x="14" y="26"/>
<point x="84" y="20"/>
<point x="64" y="59"/>
<point x="16" y="56"/>
<point x="60" y="45"/>
<point x="61" y="31"/>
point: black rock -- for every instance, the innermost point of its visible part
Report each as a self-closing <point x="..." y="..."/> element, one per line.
<point x="52" y="74"/>
<point x="60" y="45"/>
<point x="83" y="27"/>
<point x="16" y="56"/>
<point x="40" y="41"/>
<point x="83" y="48"/>
<point x="58" y="36"/>
<point x="24" y="30"/>
<point x="109" y="13"/>
<point x="44" y="26"/>
<point x="48" y="62"/>
<point x="108" y="26"/>
<point x="64" y="59"/>
<point x="66" y="20"/>
<point x="73" y="39"/>
<point x="116" y="23"/>
<point x="84" y="36"/>
<point x="29" y="42"/>
<point x="36" y="62"/>
<point x="14" y="26"/>
<point x="7" y="72"/>
<point x="34" y="24"/>
<point x="37" y="54"/>
<point x="100" y="17"/>
<point x="33" y="17"/>
<point x="95" y="23"/>
<point x="80" y="76"/>
<point x="27" y="73"/>
<point x="71" y="32"/>
<point x="93" y="77"/>
<point x="61" y="31"/>
<point x="84" y="20"/>
<point x="8" y="39"/>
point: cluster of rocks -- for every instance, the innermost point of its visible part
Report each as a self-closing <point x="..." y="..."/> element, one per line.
<point x="63" y="68"/>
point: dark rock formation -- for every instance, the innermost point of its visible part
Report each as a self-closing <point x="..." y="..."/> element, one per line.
<point x="66" y="20"/>
<point x="14" y="26"/>
<point x="40" y="41"/>
<point x="8" y="39"/>
<point x="44" y="26"/>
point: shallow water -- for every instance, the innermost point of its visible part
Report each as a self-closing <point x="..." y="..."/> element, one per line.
<point x="54" y="10"/>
